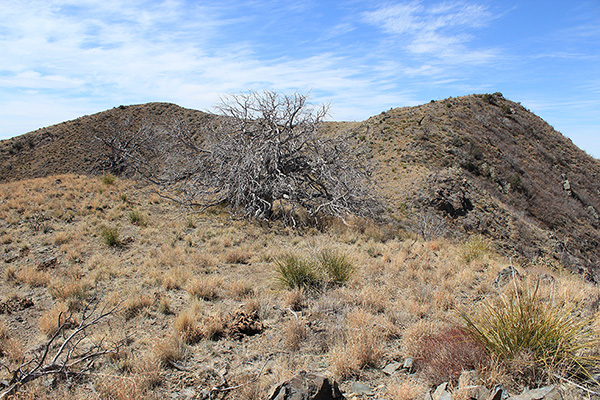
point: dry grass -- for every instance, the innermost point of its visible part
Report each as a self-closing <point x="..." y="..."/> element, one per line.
<point x="361" y="346"/>
<point x="52" y="319"/>
<point x="295" y="331"/>
<point x="205" y="287"/>
<point x="185" y="286"/>
<point x="33" y="277"/>
<point x="406" y="389"/>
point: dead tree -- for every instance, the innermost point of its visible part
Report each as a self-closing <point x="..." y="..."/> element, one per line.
<point x="69" y="352"/>
<point x="265" y="158"/>
<point x="122" y="140"/>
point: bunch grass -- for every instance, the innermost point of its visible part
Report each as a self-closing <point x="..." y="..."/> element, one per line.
<point x="336" y="266"/>
<point x="293" y="271"/>
<point x="555" y="337"/>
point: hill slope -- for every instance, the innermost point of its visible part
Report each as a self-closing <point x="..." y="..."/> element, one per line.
<point x="479" y="164"/>
<point x="490" y="166"/>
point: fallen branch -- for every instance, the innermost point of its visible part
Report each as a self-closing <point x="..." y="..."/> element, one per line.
<point x="67" y="360"/>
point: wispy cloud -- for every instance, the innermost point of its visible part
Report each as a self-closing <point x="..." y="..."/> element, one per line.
<point x="441" y="31"/>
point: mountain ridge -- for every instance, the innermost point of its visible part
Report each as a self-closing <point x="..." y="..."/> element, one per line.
<point x="481" y="164"/>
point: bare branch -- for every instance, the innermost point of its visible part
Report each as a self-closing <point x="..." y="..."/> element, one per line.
<point x="69" y="354"/>
<point x="267" y="158"/>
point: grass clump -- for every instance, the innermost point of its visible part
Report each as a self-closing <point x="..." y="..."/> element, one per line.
<point x="549" y="338"/>
<point x="110" y="235"/>
<point x="137" y="218"/>
<point x="336" y="266"/>
<point x="293" y="272"/>
<point x="108" y="179"/>
<point x="474" y="249"/>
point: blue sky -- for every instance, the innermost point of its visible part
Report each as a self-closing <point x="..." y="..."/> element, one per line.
<point x="61" y="59"/>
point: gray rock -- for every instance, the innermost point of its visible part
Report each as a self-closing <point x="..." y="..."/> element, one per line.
<point x="408" y="364"/>
<point x="307" y="386"/>
<point x="361" y="389"/>
<point x="545" y="393"/>
<point x="505" y="276"/>
<point x="475" y="392"/>
<point x="441" y="393"/>
<point x="391" y="368"/>
<point x="498" y="393"/>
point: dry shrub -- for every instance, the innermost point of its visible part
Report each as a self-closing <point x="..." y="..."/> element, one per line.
<point x="205" y="287"/>
<point x="174" y="279"/>
<point x="119" y="388"/>
<point x="252" y="305"/>
<point x="31" y="276"/>
<point x="169" y="350"/>
<point x="10" y="347"/>
<point x="295" y="331"/>
<point x="147" y="372"/>
<point x="61" y="238"/>
<point x="372" y="298"/>
<point x="362" y="345"/>
<point x="441" y="355"/>
<point x="240" y="290"/>
<point x="214" y="326"/>
<point x="187" y="328"/>
<point x="135" y="304"/>
<point x="204" y="261"/>
<point x="295" y="299"/>
<point x="406" y="389"/>
<point x="71" y="289"/>
<point x="237" y="256"/>
<point x="52" y="319"/>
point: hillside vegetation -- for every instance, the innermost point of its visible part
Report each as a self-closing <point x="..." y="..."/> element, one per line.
<point x="477" y="164"/>
<point x="201" y="304"/>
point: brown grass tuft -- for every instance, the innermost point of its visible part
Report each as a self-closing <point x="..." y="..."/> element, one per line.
<point x="362" y="345"/>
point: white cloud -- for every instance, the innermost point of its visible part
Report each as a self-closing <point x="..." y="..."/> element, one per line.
<point x="440" y="31"/>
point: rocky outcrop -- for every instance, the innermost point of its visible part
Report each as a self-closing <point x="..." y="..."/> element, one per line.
<point x="307" y="386"/>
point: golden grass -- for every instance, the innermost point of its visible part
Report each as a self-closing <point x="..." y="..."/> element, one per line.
<point x="52" y="319"/>
<point x="181" y="283"/>
<point x="361" y="346"/>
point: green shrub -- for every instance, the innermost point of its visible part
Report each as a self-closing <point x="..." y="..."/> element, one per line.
<point x="551" y="337"/>
<point x="137" y="218"/>
<point x="336" y="266"/>
<point x="109" y="179"/>
<point x="110" y="236"/>
<point x="293" y="271"/>
<point x="474" y="249"/>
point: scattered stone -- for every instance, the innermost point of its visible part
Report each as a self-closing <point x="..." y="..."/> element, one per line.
<point x="475" y="392"/>
<point x="498" y="393"/>
<point x="45" y="265"/>
<point x="441" y="393"/>
<point x="408" y="364"/>
<point x="545" y="393"/>
<point x="361" y="389"/>
<point x="505" y="276"/>
<point x="15" y="304"/>
<point x="391" y="368"/>
<point x="307" y="386"/>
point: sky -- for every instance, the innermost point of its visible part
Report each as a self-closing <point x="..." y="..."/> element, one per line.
<point x="62" y="59"/>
